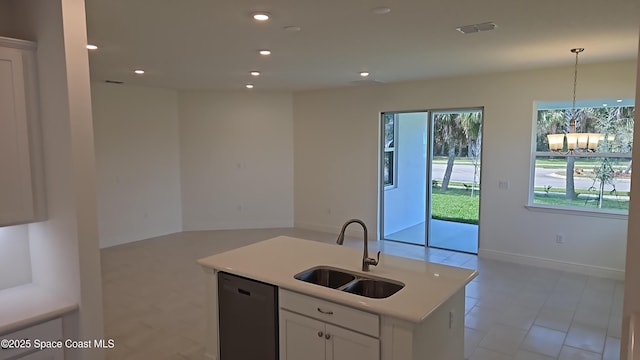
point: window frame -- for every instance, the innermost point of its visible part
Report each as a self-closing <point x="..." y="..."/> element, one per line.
<point x="570" y="209"/>
<point x="393" y="150"/>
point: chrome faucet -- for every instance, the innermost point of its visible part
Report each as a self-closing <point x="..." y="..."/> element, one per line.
<point x="366" y="260"/>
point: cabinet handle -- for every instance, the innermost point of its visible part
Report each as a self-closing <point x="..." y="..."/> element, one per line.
<point x="319" y="333"/>
<point x="326" y="312"/>
<point x="327" y="336"/>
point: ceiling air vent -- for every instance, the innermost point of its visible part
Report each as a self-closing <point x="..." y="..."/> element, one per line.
<point x="470" y="29"/>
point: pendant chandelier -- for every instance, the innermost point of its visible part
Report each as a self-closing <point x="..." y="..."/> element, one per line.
<point x="575" y="140"/>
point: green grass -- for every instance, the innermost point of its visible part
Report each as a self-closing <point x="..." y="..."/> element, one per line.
<point x="590" y="202"/>
<point x="455" y="205"/>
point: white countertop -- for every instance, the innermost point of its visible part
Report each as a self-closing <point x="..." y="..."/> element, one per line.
<point x="276" y="261"/>
<point x="26" y="305"/>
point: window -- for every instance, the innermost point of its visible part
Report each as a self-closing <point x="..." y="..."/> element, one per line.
<point x="390" y="163"/>
<point x="597" y="179"/>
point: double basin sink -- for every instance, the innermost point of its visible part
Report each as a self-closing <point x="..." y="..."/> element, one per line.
<point x="354" y="283"/>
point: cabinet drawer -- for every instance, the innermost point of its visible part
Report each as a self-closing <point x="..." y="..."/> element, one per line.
<point x="347" y="317"/>
<point x="48" y="331"/>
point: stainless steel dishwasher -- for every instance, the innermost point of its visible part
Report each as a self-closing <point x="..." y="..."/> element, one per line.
<point x="248" y="318"/>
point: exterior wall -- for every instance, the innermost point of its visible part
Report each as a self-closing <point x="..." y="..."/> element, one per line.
<point x="404" y="205"/>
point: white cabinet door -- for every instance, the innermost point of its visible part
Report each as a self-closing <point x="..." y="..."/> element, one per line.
<point x="304" y="338"/>
<point x="343" y="344"/>
<point x="16" y="191"/>
<point x="301" y="338"/>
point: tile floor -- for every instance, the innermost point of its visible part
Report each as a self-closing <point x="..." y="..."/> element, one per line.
<point x="154" y="300"/>
<point x="448" y="235"/>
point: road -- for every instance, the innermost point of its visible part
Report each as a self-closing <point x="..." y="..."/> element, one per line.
<point x="543" y="177"/>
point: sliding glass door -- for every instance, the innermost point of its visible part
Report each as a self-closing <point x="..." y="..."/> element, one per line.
<point x="455" y="187"/>
<point x="430" y="178"/>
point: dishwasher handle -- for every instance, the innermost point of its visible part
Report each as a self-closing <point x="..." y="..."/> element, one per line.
<point x="244" y="292"/>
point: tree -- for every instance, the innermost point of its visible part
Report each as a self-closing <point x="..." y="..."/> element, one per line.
<point x="471" y="124"/>
<point x="449" y="123"/>
<point x="461" y="132"/>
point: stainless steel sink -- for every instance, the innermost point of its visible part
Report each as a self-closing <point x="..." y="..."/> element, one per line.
<point x="376" y="289"/>
<point x="325" y="276"/>
<point x="354" y="283"/>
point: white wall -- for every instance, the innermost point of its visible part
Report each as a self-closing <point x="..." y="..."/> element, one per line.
<point x="404" y="205"/>
<point x="236" y="151"/>
<point x="137" y="161"/>
<point x="336" y="157"/>
<point x="343" y="177"/>
<point x="64" y="249"/>
<point x="15" y="262"/>
<point x="632" y="274"/>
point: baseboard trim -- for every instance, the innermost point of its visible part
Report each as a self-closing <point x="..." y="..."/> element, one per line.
<point x="352" y="231"/>
<point x="235" y="226"/>
<point x="315" y="227"/>
<point x="107" y="242"/>
<point x="590" y="270"/>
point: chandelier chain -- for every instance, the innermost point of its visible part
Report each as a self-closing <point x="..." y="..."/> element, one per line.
<point x="576" y="51"/>
<point x="575" y="81"/>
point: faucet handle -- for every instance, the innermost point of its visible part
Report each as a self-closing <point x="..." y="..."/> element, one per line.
<point x="375" y="261"/>
<point x="367" y="261"/>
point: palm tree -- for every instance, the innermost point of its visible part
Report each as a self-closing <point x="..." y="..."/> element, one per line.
<point x="449" y="128"/>
<point x="550" y="122"/>
<point x="471" y="124"/>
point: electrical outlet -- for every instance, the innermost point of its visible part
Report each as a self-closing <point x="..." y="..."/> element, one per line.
<point x="559" y="238"/>
<point x="503" y="185"/>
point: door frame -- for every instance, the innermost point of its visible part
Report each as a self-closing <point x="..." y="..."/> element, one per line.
<point x="429" y="159"/>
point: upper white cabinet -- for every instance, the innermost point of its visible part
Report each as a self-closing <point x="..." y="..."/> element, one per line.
<point x="21" y="178"/>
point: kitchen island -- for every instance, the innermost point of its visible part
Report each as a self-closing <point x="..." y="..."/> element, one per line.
<point x="424" y="318"/>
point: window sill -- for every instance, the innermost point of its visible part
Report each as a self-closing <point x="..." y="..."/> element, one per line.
<point x="626" y="155"/>
<point x="578" y="212"/>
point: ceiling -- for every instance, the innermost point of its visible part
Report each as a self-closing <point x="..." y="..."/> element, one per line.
<point x="213" y="44"/>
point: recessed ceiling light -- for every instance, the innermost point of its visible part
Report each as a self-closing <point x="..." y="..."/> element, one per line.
<point x="264" y="52"/>
<point x="92" y="47"/>
<point x="249" y="86"/>
<point x="381" y="10"/>
<point x="619" y="100"/>
<point x="255" y="73"/>
<point x="261" y="16"/>
<point x="292" y="28"/>
<point x="139" y="71"/>
<point x="364" y="74"/>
